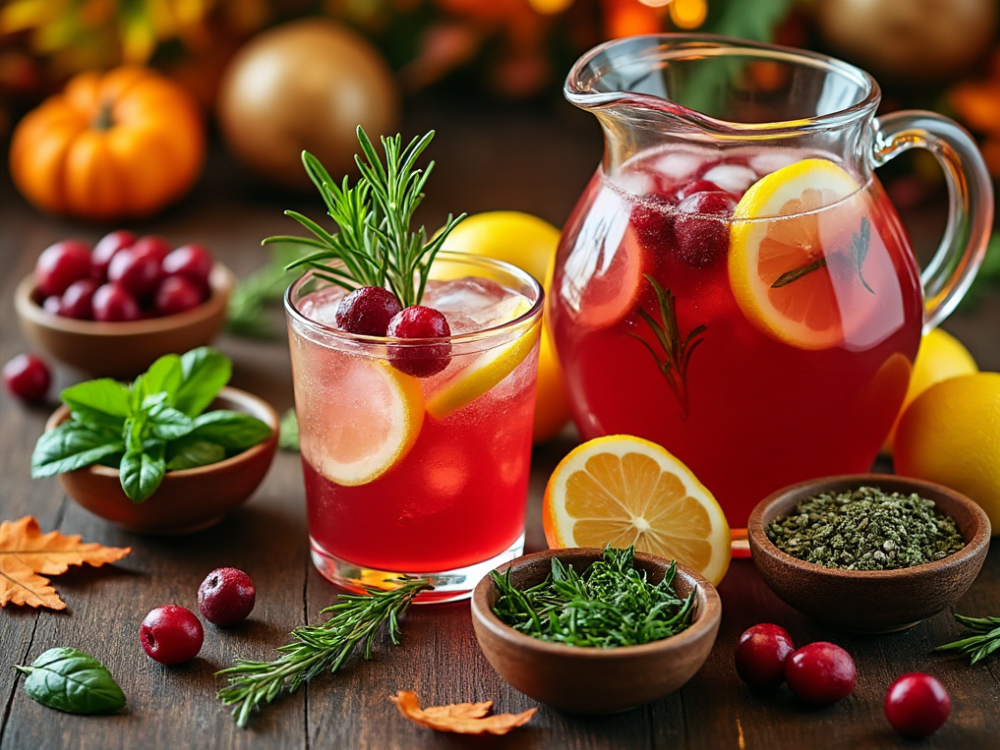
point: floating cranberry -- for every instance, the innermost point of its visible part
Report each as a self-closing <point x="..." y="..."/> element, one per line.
<point x="60" y="265"/>
<point x="419" y="322"/>
<point x="917" y="705"/>
<point x="113" y="303"/>
<point x="177" y="294"/>
<point x="77" y="300"/>
<point x="821" y="673"/>
<point x="27" y="377"/>
<point x="653" y="222"/>
<point x="761" y="654"/>
<point x="191" y="261"/>
<point x="226" y="597"/>
<point x="105" y="250"/>
<point x="367" y="310"/>
<point x="171" y="634"/>
<point x="700" y="238"/>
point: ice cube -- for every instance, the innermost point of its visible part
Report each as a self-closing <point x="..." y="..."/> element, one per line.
<point x="733" y="178"/>
<point x="678" y="165"/>
<point x="472" y="303"/>
<point x="635" y="182"/>
<point x="771" y="161"/>
<point x="321" y="306"/>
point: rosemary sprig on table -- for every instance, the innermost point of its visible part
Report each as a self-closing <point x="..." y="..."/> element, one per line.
<point x="375" y="245"/>
<point x="984" y="641"/>
<point x="318" y="648"/>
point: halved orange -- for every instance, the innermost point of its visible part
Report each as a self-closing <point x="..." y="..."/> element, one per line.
<point x="799" y="219"/>
<point x="623" y="490"/>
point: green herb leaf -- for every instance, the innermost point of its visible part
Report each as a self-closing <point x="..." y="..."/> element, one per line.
<point x="104" y="396"/>
<point x="69" y="680"/>
<point x="204" y="372"/>
<point x="230" y="429"/>
<point x="169" y="423"/>
<point x="70" y="446"/>
<point x="985" y="641"/>
<point x="288" y="432"/>
<point x="188" y="454"/>
<point x="163" y="376"/>
<point x="142" y="471"/>
<point x="797" y="273"/>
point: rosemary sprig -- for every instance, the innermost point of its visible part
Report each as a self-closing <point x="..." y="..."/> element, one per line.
<point x="985" y="641"/>
<point x="673" y="363"/>
<point x="858" y="251"/>
<point x="374" y="244"/>
<point x="318" y="648"/>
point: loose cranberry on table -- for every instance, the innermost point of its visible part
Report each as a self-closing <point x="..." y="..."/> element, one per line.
<point x="917" y="705"/>
<point x="419" y="322"/>
<point x="176" y="294"/>
<point x="113" y="303"/>
<point x="226" y="597"/>
<point x="761" y="653"/>
<point x="193" y="262"/>
<point x="60" y="265"/>
<point x="77" y="300"/>
<point x="367" y="310"/>
<point x="820" y="673"/>
<point x="27" y="377"/>
<point x="171" y="634"/>
<point x="136" y="269"/>
<point x="105" y="249"/>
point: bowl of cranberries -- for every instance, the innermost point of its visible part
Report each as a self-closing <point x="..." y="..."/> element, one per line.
<point x="114" y="308"/>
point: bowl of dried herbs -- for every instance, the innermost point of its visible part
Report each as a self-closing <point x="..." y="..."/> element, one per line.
<point x="868" y="553"/>
<point x="595" y="631"/>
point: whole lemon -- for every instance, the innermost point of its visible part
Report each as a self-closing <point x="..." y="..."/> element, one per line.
<point x="941" y="356"/>
<point x="529" y="243"/>
<point x="951" y="435"/>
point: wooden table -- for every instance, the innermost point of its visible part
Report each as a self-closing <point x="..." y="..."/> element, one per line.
<point x="524" y="159"/>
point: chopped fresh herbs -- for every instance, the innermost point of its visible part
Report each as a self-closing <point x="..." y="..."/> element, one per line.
<point x="152" y="426"/>
<point x="69" y="680"/>
<point x="610" y="604"/>
<point x="866" y="529"/>
<point x="983" y="638"/>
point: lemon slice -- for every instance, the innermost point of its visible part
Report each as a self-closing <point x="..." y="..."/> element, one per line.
<point x="486" y="370"/>
<point x="794" y="220"/>
<point x="369" y="419"/>
<point x="623" y="490"/>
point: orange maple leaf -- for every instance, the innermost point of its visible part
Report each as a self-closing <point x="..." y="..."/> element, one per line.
<point x="462" y="718"/>
<point x="25" y="552"/>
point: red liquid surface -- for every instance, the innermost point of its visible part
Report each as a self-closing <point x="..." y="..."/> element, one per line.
<point x="760" y="412"/>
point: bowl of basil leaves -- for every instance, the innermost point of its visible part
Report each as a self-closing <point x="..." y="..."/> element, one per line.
<point x="171" y="453"/>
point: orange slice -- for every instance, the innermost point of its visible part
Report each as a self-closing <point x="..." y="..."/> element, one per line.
<point x="788" y="222"/>
<point x="623" y="490"/>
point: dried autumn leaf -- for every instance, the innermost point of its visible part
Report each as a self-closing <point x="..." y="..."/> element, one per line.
<point x="25" y="552"/>
<point x="462" y="718"/>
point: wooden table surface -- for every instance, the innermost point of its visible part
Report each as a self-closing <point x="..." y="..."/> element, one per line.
<point x="536" y="160"/>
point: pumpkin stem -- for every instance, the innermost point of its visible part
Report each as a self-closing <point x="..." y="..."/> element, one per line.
<point x="103" y="120"/>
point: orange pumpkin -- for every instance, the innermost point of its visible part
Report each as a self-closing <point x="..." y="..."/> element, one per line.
<point x="113" y="145"/>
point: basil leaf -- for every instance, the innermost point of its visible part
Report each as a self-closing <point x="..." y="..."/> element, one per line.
<point x="169" y="423"/>
<point x="205" y="371"/>
<point x="187" y="454"/>
<point x="163" y="376"/>
<point x="141" y="471"/>
<point x="68" y="447"/>
<point x="69" y="680"/>
<point x="230" y="429"/>
<point x="288" y="431"/>
<point x="98" y="421"/>
<point x="135" y="431"/>
<point x="102" y="395"/>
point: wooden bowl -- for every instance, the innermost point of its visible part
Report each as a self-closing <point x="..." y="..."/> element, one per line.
<point x="187" y="500"/>
<point x="122" y="350"/>
<point x="594" y="680"/>
<point x="881" y="601"/>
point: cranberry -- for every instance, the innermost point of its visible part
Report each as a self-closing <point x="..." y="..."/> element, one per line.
<point x="191" y="261"/>
<point x="761" y="654"/>
<point x="113" y="303"/>
<point x="226" y="596"/>
<point x="152" y="245"/>
<point x="171" y="634"/>
<point x="698" y="186"/>
<point x="419" y="322"/>
<point x="653" y="223"/>
<point x="77" y="300"/>
<point x="136" y="269"/>
<point x="917" y="705"/>
<point x="27" y="377"/>
<point x="60" y="265"/>
<point x="105" y="250"/>
<point x="698" y="238"/>
<point x="53" y="305"/>
<point x="821" y="673"/>
<point x="177" y="294"/>
<point x="367" y="310"/>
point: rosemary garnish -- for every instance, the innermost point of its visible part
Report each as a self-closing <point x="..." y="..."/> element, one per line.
<point x="318" y="648"/>
<point x="797" y="273"/>
<point x="374" y="245"/>
<point x="985" y="641"/>
<point x="676" y="350"/>
<point x="610" y="604"/>
<point x="859" y="251"/>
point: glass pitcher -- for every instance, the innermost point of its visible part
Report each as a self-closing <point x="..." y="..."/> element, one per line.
<point x="734" y="283"/>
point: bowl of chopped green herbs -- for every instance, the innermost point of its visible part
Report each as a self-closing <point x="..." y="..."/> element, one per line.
<point x="869" y="553"/>
<point x="594" y="631"/>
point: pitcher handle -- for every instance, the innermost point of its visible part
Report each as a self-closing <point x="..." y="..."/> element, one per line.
<point x="970" y="207"/>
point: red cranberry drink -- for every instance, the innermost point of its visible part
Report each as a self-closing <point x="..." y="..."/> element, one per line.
<point x="416" y="446"/>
